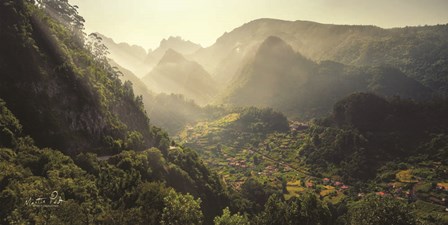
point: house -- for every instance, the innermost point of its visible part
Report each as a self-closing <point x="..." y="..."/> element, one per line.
<point x="442" y="186"/>
<point x="297" y="126"/>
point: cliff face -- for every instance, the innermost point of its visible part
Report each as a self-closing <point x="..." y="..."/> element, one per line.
<point x="66" y="97"/>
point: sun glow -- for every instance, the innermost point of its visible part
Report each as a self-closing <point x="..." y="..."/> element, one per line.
<point x="146" y="22"/>
<point x="171" y="5"/>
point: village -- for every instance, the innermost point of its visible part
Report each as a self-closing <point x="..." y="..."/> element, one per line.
<point x="275" y="158"/>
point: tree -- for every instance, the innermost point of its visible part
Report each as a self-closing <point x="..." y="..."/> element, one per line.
<point x="363" y="111"/>
<point x="274" y="211"/>
<point x="181" y="209"/>
<point x="64" y="13"/>
<point x="304" y="210"/>
<point x="88" y="162"/>
<point x="10" y="126"/>
<point x="151" y="201"/>
<point x="134" y="140"/>
<point x="156" y="162"/>
<point x="228" y="219"/>
<point x="257" y="192"/>
<point x="313" y="211"/>
<point x="377" y="210"/>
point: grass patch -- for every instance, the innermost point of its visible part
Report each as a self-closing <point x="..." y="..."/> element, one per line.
<point x="326" y="192"/>
<point x="430" y="211"/>
<point x="406" y="176"/>
<point x="294" y="189"/>
<point x="335" y="200"/>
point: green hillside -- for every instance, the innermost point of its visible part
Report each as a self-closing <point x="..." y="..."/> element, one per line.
<point x="352" y="130"/>
<point x="68" y="124"/>
<point x="65" y="97"/>
<point x="280" y="78"/>
<point x="369" y="145"/>
<point x="101" y="190"/>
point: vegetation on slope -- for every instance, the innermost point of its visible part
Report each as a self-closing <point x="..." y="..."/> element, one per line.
<point x="366" y="131"/>
<point x="392" y="148"/>
<point x="59" y="88"/>
<point x="420" y="52"/>
<point x="282" y="79"/>
<point x="150" y="186"/>
<point x="65" y="97"/>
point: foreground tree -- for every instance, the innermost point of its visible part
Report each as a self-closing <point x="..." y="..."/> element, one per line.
<point x="181" y="209"/>
<point x="376" y="210"/>
<point x="306" y="209"/>
<point x="228" y="219"/>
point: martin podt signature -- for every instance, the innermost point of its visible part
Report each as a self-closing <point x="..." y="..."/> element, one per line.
<point x="54" y="200"/>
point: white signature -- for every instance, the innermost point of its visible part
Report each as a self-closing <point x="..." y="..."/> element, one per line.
<point x="53" y="201"/>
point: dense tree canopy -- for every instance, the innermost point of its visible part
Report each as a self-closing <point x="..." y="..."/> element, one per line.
<point x="376" y="210"/>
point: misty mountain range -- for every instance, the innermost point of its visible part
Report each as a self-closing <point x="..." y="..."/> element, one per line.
<point x="298" y="67"/>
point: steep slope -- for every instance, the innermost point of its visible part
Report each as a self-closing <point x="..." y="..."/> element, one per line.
<point x="420" y="52"/>
<point x="365" y="131"/>
<point x="170" y="111"/>
<point x="280" y="78"/>
<point x="131" y="57"/>
<point x="175" y="74"/>
<point x="138" y="60"/>
<point x="65" y="97"/>
<point x="58" y="91"/>
<point x="177" y="44"/>
<point x="121" y="186"/>
<point x="137" y="84"/>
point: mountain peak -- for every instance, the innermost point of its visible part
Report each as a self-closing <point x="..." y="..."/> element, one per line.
<point x="274" y="40"/>
<point x="274" y="47"/>
<point x="172" y="56"/>
<point x="178" y="42"/>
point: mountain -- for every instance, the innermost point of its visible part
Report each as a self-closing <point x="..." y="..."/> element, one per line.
<point x="420" y="52"/>
<point x="175" y="74"/>
<point x="131" y="57"/>
<point x="72" y="131"/>
<point x="177" y="44"/>
<point x="279" y="77"/>
<point x="365" y="131"/>
<point x="136" y="59"/>
<point x="65" y="97"/>
<point x="170" y="111"/>
<point x="137" y="84"/>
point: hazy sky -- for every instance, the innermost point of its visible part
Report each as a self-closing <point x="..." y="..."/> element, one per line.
<point x="146" y="22"/>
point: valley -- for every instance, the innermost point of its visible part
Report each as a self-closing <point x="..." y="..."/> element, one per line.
<point x="274" y="160"/>
<point x="277" y="122"/>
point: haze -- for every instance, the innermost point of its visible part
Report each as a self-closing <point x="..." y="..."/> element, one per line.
<point x="146" y="22"/>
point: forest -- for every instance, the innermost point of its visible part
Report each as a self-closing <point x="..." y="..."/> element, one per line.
<point x="289" y="136"/>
